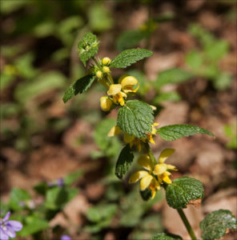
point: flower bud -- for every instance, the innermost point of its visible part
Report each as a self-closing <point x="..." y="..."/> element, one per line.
<point x="106" y="70"/>
<point x="105" y="103"/>
<point x="99" y="74"/>
<point x="106" y="61"/>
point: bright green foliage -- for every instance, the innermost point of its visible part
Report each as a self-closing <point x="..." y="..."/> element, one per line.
<point x="72" y="177"/>
<point x="215" y="224"/>
<point x="88" y="47"/>
<point x="18" y="196"/>
<point x="44" y="83"/>
<point x="130" y="39"/>
<point x="109" y="146"/>
<point x="174" y="75"/>
<point x="163" y="236"/>
<point x="57" y="197"/>
<point x="167" y="96"/>
<point x="99" y="11"/>
<point x="101" y="217"/>
<point x="33" y="224"/>
<point x="124" y="162"/>
<point x="135" y="118"/>
<point x="173" y="132"/>
<point x="79" y="86"/>
<point x="182" y="190"/>
<point x="130" y="56"/>
<point x="231" y="133"/>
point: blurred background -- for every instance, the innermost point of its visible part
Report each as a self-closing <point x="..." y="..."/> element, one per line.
<point x="191" y="79"/>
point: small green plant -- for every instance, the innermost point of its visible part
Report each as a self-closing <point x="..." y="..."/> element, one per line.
<point x="206" y="62"/>
<point x="135" y="121"/>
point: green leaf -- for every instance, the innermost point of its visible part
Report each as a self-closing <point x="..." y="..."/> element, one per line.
<point x="41" y="188"/>
<point x="99" y="11"/>
<point x="215" y="224"/>
<point x="167" y="96"/>
<point x="222" y="81"/>
<point x="87" y="47"/>
<point x="216" y="50"/>
<point x="72" y="177"/>
<point x="79" y="86"/>
<point x="130" y="39"/>
<point x="182" y="190"/>
<point x="146" y="194"/>
<point x="124" y="161"/>
<point x="17" y="196"/>
<point x="135" y="118"/>
<point x="33" y="224"/>
<point x="46" y="82"/>
<point x="130" y="56"/>
<point x="163" y="236"/>
<point x="195" y="61"/>
<point x="57" y="197"/>
<point x="101" y="212"/>
<point x="173" y="132"/>
<point x="174" y="75"/>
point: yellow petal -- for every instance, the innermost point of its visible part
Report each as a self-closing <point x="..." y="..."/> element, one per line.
<point x="159" y="169"/>
<point x="106" y="69"/>
<point x="150" y="138"/>
<point x="166" y="178"/>
<point x="129" y="81"/>
<point x="153" y="194"/>
<point x="145" y="162"/>
<point x="137" y="176"/>
<point x="106" y="61"/>
<point x="128" y="138"/>
<point x="122" y="77"/>
<point x="114" y="131"/>
<point x="114" y="89"/>
<point x="165" y="154"/>
<point x="145" y="182"/>
<point x="153" y="107"/>
<point x="171" y="167"/>
<point x="105" y="103"/>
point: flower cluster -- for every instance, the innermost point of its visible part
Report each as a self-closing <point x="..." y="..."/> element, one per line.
<point x="154" y="174"/>
<point x="116" y="93"/>
<point x="8" y="228"/>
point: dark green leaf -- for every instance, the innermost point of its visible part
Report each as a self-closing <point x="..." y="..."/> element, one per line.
<point x="174" y="75"/>
<point x="17" y="196"/>
<point x="163" y="236"/>
<point x="130" y="56"/>
<point x="124" y="161"/>
<point x="135" y="118"/>
<point x="79" y="86"/>
<point x="41" y="188"/>
<point x="146" y="194"/>
<point x="88" y="47"/>
<point x="173" y="132"/>
<point x="182" y="190"/>
<point x="215" y="224"/>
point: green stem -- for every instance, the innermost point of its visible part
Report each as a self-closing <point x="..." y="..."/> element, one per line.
<point x="150" y="153"/>
<point x="187" y="224"/>
<point x="96" y="62"/>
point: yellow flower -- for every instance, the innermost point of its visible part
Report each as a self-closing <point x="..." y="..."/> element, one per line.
<point x="153" y="132"/>
<point x="128" y="83"/>
<point x="106" y="70"/>
<point x="99" y="74"/>
<point x="162" y="170"/>
<point x="105" y="103"/>
<point x="106" y="61"/>
<point x="117" y="94"/>
<point x="147" y="179"/>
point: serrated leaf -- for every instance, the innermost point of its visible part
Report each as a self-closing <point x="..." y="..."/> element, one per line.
<point x="182" y="190"/>
<point x="174" y="75"/>
<point x="87" y="47"/>
<point x="163" y="236"/>
<point x="215" y="224"/>
<point x="135" y="118"/>
<point x="79" y="86"/>
<point x="124" y="161"/>
<point x="130" y="56"/>
<point x="174" y="132"/>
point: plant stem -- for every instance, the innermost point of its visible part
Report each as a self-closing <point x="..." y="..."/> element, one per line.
<point x="150" y="153"/>
<point x="96" y="62"/>
<point x="187" y="224"/>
